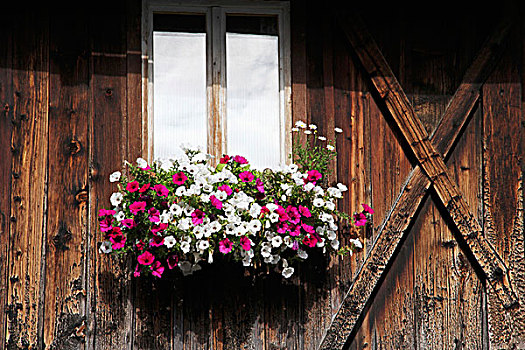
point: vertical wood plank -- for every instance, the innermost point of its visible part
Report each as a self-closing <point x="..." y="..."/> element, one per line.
<point x="109" y="289"/>
<point x="29" y="179"/>
<point x="6" y="129"/>
<point x="503" y="187"/>
<point x="66" y="246"/>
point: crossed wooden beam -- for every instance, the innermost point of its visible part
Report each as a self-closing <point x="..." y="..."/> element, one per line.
<point x="430" y="154"/>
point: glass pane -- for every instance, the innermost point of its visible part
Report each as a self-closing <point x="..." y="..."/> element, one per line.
<point x="252" y="101"/>
<point x="179" y="79"/>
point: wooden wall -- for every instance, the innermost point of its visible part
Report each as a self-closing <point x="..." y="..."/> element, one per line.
<point x="70" y="92"/>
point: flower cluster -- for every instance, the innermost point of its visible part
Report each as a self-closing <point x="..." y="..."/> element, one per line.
<point x="182" y="212"/>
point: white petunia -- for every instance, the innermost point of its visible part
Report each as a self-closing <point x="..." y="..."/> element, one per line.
<point x="331" y="235"/>
<point x="272" y="206"/>
<point x="120" y="216"/>
<point x="288" y="241"/>
<point x="335" y="244"/>
<point x="185" y="247"/>
<point x="302" y="254"/>
<point x="105" y="247"/>
<point x="199" y="157"/>
<point x="274" y="217"/>
<point x="254" y="226"/>
<point x="308" y="187"/>
<point x="116" y="198"/>
<point x="207" y="188"/>
<point x="277" y="241"/>
<point x="342" y="187"/>
<point x="318" y="190"/>
<point x="288" y="272"/>
<point x="329" y="205"/>
<point x="185" y="267"/>
<point x="318" y="202"/>
<point x="274" y="259"/>
<point x="142" y="163"/>
<point x="115" y="176"/>
<point x="166" y="165"/>
<point x="203" y="245"/>
<point x="165" y="217"/>
<point x="169" y="241"/>
<point x="175" y="210"/>
<point x="255" y="210"/>
<point x="266" y="250"/>
<point x="215" y="226"/>
<point x="357" y="243"/>
<point x="181" y="191"/>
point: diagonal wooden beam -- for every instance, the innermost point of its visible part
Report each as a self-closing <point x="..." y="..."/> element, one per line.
<point x="406" y="205"/>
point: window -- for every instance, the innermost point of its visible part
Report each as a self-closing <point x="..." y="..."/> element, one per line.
<point x="219" y="78"/>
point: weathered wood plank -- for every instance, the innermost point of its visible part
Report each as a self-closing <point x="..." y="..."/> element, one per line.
<point x="64" y="312"/>
<point x="406" y="204"/>
<point x="29" y="179"/>
<point x="109" y="317"/>
<point x="503" y="152"/>
<point x="6" y="129"/>
<point x="391" y="93"/>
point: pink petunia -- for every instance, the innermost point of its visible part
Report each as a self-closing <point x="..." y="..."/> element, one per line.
<point x="146" y="258"/>
<point x="240" y="160"/>
<point x="159" y="228"/>
<point x="173" y="260"/>
<point x="225" y="188"/>
<point x="367" y="209"/>
<point x="105" y="224"/>
<point x="156" y="241"/>
<point x="224" y="159"/>
<point x="118" y="240"/>
<point x="313" y="176"/>
<point x="283" y="216"/>
<point x="154" y="215"/>
<point x="282" y="227"/>
<point x="106" y="212"/>
<point x="310" y="241"/>
<point x="293" y="214"/>
<point x="360" y="219"/>
<point x="129" y="223"/>
<point x="140" y="245"/>
<point x="308" y="228"/>
<point x="225" y="246"/>
<point x="215" y="202"/>
<point x="246" y="176"/>
<point x="157" y="269"/>
<point x="135" y="207"/>
<point x="259" y="185"/>
<point x="132" y="186"/>
<point x="295" y="231"/>
<point x="197" y="217"/>
<point x="305" y="211"/>
<point x="179" y="178"/>
<point x="137" y="271"/>
<point x="245" y="243"/>
<point x="161" y="190"/>
<point x="144" y="188"/>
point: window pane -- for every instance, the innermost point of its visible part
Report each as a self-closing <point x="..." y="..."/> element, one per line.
<point x="252" y="100"/>
<point x="179" y="78"/>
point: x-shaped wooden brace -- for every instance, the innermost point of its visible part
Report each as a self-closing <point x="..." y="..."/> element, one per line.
<point x="432" y="170"/>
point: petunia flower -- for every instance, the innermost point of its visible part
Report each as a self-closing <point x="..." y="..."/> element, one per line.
<point x="144" y="188"/>
<point x="179" y="178"/>
<point x="154" y="215"/>
<point x="105" y="224"/>
<point x="367" y="209"/>
<point x="161" y="190"/>
<point x="114" y="177"/>
<point x="259" y="185"/>
<point x="137" y="271"/>
<point x="118" y="240"/>
<point x="305" y="211"/>
<point x="245" y="243"/>
<point x="159" y="228"/>
<point x="172" y="261"/>
<point x="157" y="269"/>
<point x="294" y="215"/>
<point x="197" y="217"/>
<point x="246" y="176"/>
<point x="146" y="258"/>
<point x="225" y="246"/>
<point x="310" y="241"/>
<point x="224" y="159"/>
<point x="156" y="241"/>
<point x="240" y="160"/>
<point x="360" y="219"/>
<point x="225" y="188"/>
<point x="105" y="212"/>
<point x="215" y="202"/>
<point x="129" y="223"/>
<point x="308" y="228"/>
<point x="313" y="176"/>
<point x="135" y="207"/>
<point x="132" y="186"/>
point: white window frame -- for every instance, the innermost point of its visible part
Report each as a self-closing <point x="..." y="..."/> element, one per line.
<point x="216" y="11"/>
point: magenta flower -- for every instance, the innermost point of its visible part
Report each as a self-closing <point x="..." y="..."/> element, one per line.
<point x="293" y="214"/>
<point x="259" y="184"/>
<point x="360" y="219"/>
<point x="137" y="271"/>
<point x="129" y="223"/>
<point x="179" y="178"/>
<point x="156" y="241"/>
<point x="282" y="227"/>
<point x="310" y="241"/>
<point x="144" y="188"/>
<point x="154" y="215"/>
<point x="161" y="190"/>
<point x="246" y="176"/>
<point x="197" y="217"/>
<point x="157" y="269"/>
<point x="367" y="209"/>
<point x="245" y="243"/>
<point x="240" y="160"/>
<point x="159" y="228"/>
<point x="146" y="258"/>
<point x="132" y="186"/>
<point x="226" y="189"/>
<point x="105" y="212"/>
<point x="118" y="240"/>
<point x="135" y="207"/>
<point x="225" y="246"/>
<point x="105" y="224"/>
<point x="224" y="159"/>
<point x="305" y="211"/>
<point x="215" y="202"/>
<point x="283" y="216"/>
<point x="308" y="228"/>
<point x="295" y="231"/>
<point x="313" y="176"/>
<point x="173" y="260"/>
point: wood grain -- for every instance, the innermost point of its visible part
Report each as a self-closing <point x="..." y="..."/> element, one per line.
<point x="29" y="180"/>
<point x="67" y="216"/>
